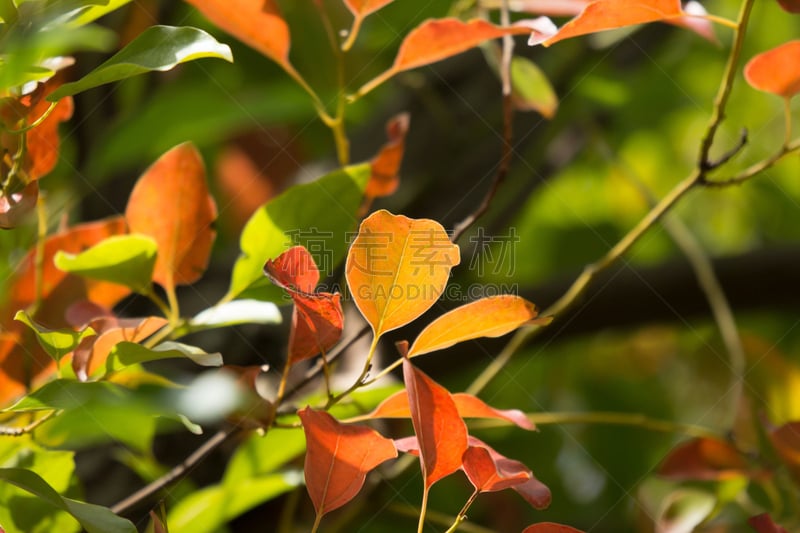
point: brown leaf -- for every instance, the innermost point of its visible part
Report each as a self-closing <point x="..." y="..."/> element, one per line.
<point x="792" y="6"/>
<point x="171" y="204"/>
<point x="440" y="431"/>
<point x="488" y="317"/>
<point x="763" y="524"/>
<point x="786" y="441"/>
<point x="776" y="71"/>
<point x="438" y="39"/>
<point x="257" y="23"/>
<point x="338" y="458"/>
<point x="15" y="208"/>
<point x="468" y="406"/>
<point x="703" y="459"/>
<point x="397" y="268"/>
<point x="550" y="527"/>
<point x="384" y="178"/>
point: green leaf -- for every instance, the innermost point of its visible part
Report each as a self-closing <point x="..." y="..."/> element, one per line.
<point x="317" y="215"/>
<point x="259" y="455"/>
<point x="238" y="312"/>
<point x="94" y="12"/>
<point x="532" y="90"/>
<point x="157" y="48"/>
<point x="208" y="509"/>
<point x="68" y="394"/>
<point x="57" y="343"/>
<point x="94" y="518"/>
<point x="126" y="354"/>
<point x="124" y="259"/>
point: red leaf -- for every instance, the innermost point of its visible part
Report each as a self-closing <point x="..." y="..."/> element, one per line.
<point x="776" y="71"/>
<point x="468" y="406"/>
<point x="786" y="441"/>
<point x="317" y="324"/>
<point x="171" y="204"/>
<point x="763" y="524"/>
<point x="438" y="39"/>
<point x="602" y="15"/>
<point x="792" y="6"/>
<point x="703" y="459"/>
<point x="93" y="351"/>
<point x="550" y="527"/>
<point x="338" y="458"/>
<point x="257" y="23"/>
<point x="14" y="208"/>
<point x="293" y="270"/>
<point x="440" y="431"/>
<point x="384" y="178"/>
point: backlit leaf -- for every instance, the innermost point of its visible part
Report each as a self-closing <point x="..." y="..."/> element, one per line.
<point x="488" y="317"/>
<point x="57" y="343"/>
<point x="124" y="259"/>
<point x="440" y="431"/>
<point x="684" y="510"/>
<point x="531" y="90"/>
<point x="238" y="312"/>
<point x="763" y="523"/>
<point x="438" y="39"/>
<point x="175" y="189"/>
<point x="703" y="459"/>
<point x="602" y="15"/>
<point x="317" y="324"/>
<point x="257" y="23"/>
<point x="158" y="48"/>
<point x="550" y="527"/>
<point x="360" y="9"/>
<point x="397" y="268"/>
<point x="130" y="353"/>
<point x="293" y="218"/>
<point x="293" y="270"/>
<point x="338" y="458"/>
<point x="468" y="406"/>
<point x="94" y="518"/>
<point x="488" y="475"/>
<point x="385" y="167"/>
<point x="776" y="71"/>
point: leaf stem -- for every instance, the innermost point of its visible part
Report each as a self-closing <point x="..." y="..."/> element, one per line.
<point x="722" y="21"/>
<point x="423" y="508"/>
<point x="337" y="124"/>
<point x="756" y="168"/>
<point x="462" y="514"/>
<point x="19" y="431"/>
<point x="351" y="37"/>
<point x="333" y="400"/>
<point x="317" y="521"/>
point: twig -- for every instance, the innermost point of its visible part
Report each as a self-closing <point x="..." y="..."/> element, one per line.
<point x="697" y="176"/>
<point x="756" y="168"/>
<point x="179" y="471"/>
<point x="22" y="430"/>
<point x="508" y="131"/>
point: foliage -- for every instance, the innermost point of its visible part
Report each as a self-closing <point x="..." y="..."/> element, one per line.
<point x="111" y="316"/>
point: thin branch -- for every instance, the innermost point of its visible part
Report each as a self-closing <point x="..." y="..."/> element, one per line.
<point x="22" y="430"/>
<point x="697" y="176"/>
<point x="508" y="131"/>
<point x="756" y="168"/>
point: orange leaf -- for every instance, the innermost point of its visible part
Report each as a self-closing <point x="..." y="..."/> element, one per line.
<point x="294" y="270"/>
<point x="338" y="458"/>
<point x="171" y="204"/>
<point x="604" y="15"/>
<point x="438" y="39"/>
<point x="488" y="317"/>
<point x="792" y="6"/>
<point x="776" y="71"/>
<point x="59" y="290"/>
<point x="703" y="459"/>
<point x="362" y="8"/>
<point x="317" y="325"/>
<point x="92" y="352"/>
<point x="43" y="141"/>
<point x="440" y="431"/>
<point x="257" y="23"/>
<point x="550" y="527"/>
<point x="12" y="368"/>
<point x="763" y="524"/>
<point x="397" y="268"/>
<point x="384" y="178"/>
<point x="13" y="209"/>
<point x="468" y="406"/>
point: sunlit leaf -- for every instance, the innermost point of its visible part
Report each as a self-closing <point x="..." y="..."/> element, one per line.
<point x="703" y="459"/>
<point x="397" y="268"/>
<point x="94" y="12"/>
<point x="293" y="270"/>
<point x="94" y="518"/>
<point x="317" y="325"/>
<point x="486" y="475"/>
<point x="763" y="523"/>
<point x="531" y="90"/>
<point x="468" y="406"/>
<point x="57" y="343"/>
<point x="384" y="177"/>
<point x="440" y="431"/>
<point x="158" y="48"/>
<point x="124" y="259"/>
<point x="43" y="142"/>
<point x="550" y="527"/>
<point x="776" y="71"/>
<point x="126" y="353"/>
<point x="338" y="458"/>
<point x="238" y="312"/>
<point x="360" y="9"/>
<point x="293" y="218"/>
<point x="438" y="39"/>
<point x="175" y="188"/>
<point x="684" y="510"/>
<point x="257" y="23"/>
<point x="493" y="316"/>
